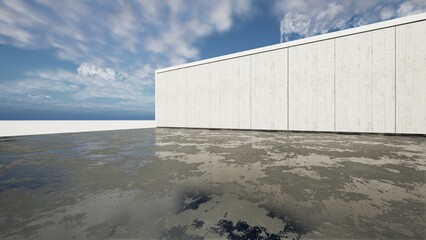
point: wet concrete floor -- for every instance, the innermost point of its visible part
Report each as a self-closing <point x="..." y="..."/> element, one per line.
<point x="212" y="184"/>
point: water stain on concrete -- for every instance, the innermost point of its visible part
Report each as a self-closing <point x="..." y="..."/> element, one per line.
<point x="212" y="184"/>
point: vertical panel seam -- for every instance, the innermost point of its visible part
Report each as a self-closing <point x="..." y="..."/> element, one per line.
<point x="288" y="89"/>
<point x="395" y="75"/>
<point x="155" y="98"/>
<point x="250" y="92"/>
<point x="334" y="90"/>
<point x="194" y="94"/>
<point x="220" y="80"/>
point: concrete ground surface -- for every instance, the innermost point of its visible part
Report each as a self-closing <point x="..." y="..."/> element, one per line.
<point x="212" y="184"/>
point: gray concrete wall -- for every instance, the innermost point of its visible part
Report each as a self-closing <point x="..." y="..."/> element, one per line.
<point x="366" y="79"/>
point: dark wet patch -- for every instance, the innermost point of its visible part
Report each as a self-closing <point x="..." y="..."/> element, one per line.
<point x="72" y="221"/>
<point x="413" y="225"/>
<point x="292" y="183"/>
<point x="179" y="232"/>
<point x="193" y="199"/>
<point x="242" y="230"/>
<point x="6" y="158"/>
<point x="354" y="196"/>
<point x="30" y="177"/>
<point x="129" y="165"/>
<point x="335" y="178"/>
<point x="197" y="224"/>
<point x="133" y="165"/>
<point x="246" y="149"/>
<point x="105" y="230"/>
<point x="177" y="148"/>
<point x="6" y="139"/>
<point x="291" y="226"/>
<point x="405" y="178"/>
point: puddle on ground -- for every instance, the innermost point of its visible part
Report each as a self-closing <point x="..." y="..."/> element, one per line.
<point x="212" y="184"/>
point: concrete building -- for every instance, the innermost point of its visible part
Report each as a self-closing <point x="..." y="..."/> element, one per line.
<point x="366" y="79"/>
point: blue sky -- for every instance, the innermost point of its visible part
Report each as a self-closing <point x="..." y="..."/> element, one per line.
<point x="95" y="59"/>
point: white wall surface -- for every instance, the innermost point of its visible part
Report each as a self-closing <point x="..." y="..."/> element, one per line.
<point x="365" y="82"/>
<point x="411" y="78"/>
<point x="311" y="92"/>
<point x="191" y="77"/>
<point x="202" y="92"/>
<point x="161" y="99"/>
<point x="235" y="93"/>
<point x="269" y="90"/>
<point x="214" y="97"/>
<point x="180" y="99"/>
<point x="366" y="79"/>
<point x="19" y="128"/>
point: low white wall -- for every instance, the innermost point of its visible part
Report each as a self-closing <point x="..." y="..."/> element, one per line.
<point x="366" y="79"/>
<point x="19" y="128"/>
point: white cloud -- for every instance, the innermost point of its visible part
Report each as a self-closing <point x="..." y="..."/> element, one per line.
<point x="84" y="87"/>
<point x="90" y="70"/>
<point x="42" y="97"/>
<point x="387" y="13"/>
<point x="295" y="22"/>
<point x="184" y="26"/>
<point x="112" y="32"/>
<point x="410" y="7"/>
<point x="311" y="17"/>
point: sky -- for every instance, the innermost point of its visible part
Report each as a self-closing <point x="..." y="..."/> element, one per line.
<point x="96" y="59"/>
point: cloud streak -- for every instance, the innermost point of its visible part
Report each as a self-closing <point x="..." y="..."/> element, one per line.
<point x="83" y="89"/>
<point x="304" y="18"/>
<point x="112" y="32"/>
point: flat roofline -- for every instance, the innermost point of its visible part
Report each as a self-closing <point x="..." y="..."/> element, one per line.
<point x="327" y="36"/>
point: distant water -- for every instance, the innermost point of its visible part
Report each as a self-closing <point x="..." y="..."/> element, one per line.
<point x="212" y="184"/>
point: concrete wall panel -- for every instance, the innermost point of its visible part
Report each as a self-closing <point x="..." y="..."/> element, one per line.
<point x="365" y="82"/>
<point x="369" y="79"/>
<point x="269" y="90"/>
<point x="214" y="96"/>
<point x="177" y="110"/>
<point x="235" y="93"/>
<point x="311" y="87"/>
<point x="164" y="99"/>
<point x="191" y="79"/>
<point x="160" y="106"/>
<point x="411" y="78"/>
<point x="202" y="86"/>
<point x="207" y="96"/>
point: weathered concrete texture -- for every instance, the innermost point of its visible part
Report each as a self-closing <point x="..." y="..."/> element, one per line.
<point x="365" y="82"/>
<point x="411" y="78"/>
<point x="235" y="93"/>
<point x="202" y="91"/>
<point x="269" y="90"/>
<point x="212" y="184"/>
<point x="165" y="96"/>
<point x="311" y="87"/>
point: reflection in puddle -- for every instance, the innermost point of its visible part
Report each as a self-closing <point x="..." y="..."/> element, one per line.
<point x="212" y="184"/>
<point x="29" y="177"/>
